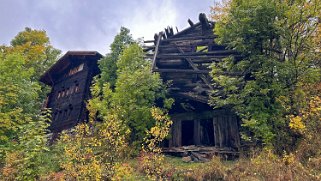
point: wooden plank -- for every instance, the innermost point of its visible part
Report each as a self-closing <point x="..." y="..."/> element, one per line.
<point x="174" y="76"/>
<point x="227" y="52"/>
<point x="216" y="133"/>
<point x="193" y="56"/>
<point x="179" y="133"/>
<point x="225" y="128"/>
<point x="171" y="136"/>
<point x="199" y="115"/>
<point x="220" y="131"/>
<point x="174" y="135"/>
<point x="210" y="44"/>
<point x="188" y="95"/>
<point x="149" y="41"/>
<point x="187" y="71"/>
<point x="235" y="135"/>
<point x="228" y="131"/>
<point x="185" y="38"/>
<point x="197" y="132"/>
<point x="236" y="131"/>
<point x="171" y="63"/>
<point x="190" y="22"/>
<point x="156" y="52"/>
<point x="201" y="60"/>
<point x="206" y="81"/>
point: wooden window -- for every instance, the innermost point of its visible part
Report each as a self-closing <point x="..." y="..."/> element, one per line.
<point x="76" y="69"/>
<point x="80" y="67"/>
<point x="72" y="90"/>
<point x="77" y="88"/>
<point x="67" y="92"/>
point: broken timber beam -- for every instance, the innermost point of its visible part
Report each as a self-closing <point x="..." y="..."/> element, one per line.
<point x="203" y="77"/>
<point x="190" y="38"/>
<point x="167" y="56"/>
<point x="156" y="52"/>
<point x="228" y="52"/>
<point x="188" y="71"/>
<point x="189" y="95"/>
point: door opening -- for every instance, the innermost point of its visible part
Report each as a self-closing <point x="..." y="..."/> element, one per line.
<point x="187" y="133"/>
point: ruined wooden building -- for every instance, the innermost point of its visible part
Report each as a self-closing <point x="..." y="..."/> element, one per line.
<point x="70" y="79"/>
<point x="184" y="59"/>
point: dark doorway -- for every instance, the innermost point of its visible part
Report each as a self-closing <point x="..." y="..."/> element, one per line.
<point x="207" y="137"/>
<point x="187" y="133"/>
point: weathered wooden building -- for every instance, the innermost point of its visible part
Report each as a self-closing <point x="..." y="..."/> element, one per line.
<point x="184" y="59"/>
<point x="70" y="78"/>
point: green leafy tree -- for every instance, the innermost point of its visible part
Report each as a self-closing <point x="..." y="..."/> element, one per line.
<point x="23" y="131"/>
<point x="136" y="92"/>
<point x="35" y="46"/>
<point x="23" y="160"/>
<point x="38" y="53"/>
<point x="18" y="96"/>
<point x="276" y="40"/>
<point x="107" y="64"/>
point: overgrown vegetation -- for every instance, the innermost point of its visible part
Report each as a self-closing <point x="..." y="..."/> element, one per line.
<point x="267" y="86"/>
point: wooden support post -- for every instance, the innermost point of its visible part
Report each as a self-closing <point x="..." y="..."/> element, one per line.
<point x="216" y="132"/>
<point x="226" y="130"/>
<point x="177" y="133"/>
<point x="170" y="140"/>
<point x="220" y="131"/>
<point x="230" y="132"/>
<point x="197" y="132"/>
<point x="236" y="133"/>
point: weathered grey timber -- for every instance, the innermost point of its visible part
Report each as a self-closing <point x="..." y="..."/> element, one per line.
<point x="184" y="59"/>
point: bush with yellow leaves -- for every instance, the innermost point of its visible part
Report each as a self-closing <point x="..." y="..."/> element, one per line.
<point x="151" y="159"/>
<point x="80" y="160"/>
<point x="92" y="150"/>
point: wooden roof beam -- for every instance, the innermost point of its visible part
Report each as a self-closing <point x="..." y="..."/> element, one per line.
<point x="190" y="38"/>
<point x="204" y="78"/>
<point x="227" y="52"/>
<point x="191" y="96"/>
<point x="156" y="51"/>
<point x="195" y="56"/>
<point x="190" y="22"/>
<point x="187" y="71"/>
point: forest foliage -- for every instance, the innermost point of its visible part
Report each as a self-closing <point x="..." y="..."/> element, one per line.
<point x="280" y="65"/>
<point x="23" y="132"/>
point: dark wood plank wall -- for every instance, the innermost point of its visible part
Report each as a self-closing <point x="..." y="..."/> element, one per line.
<point x="72" y="102"/>
<point x="69" y="110"/>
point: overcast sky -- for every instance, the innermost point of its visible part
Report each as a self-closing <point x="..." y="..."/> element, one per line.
<point x="92" y="24"/>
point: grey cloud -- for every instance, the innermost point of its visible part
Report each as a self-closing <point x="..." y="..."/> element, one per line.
<point x="92" y="24"/>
